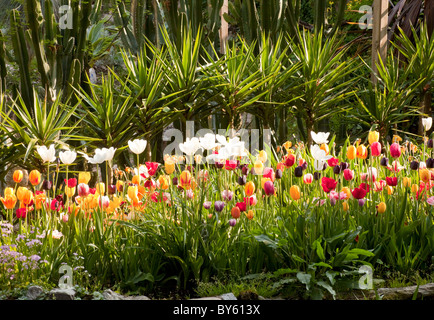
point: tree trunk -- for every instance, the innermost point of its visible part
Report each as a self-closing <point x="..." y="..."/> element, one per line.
<point x="309" y="127"/>
<point x="148" y="150"/>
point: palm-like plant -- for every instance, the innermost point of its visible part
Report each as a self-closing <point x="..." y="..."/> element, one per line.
<point x="25" y="127"/>
<point x="107" y="114"/>
<point x="388" y="103"/>
<point x="145" y="83"/>
<point x="323" y="79"/>
<point x="419" y="55"/>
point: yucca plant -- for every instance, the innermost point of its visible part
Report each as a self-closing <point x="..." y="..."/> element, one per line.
<point x="107" y="114"/>
<point x="389" y="103"/>
<point x="325" y="79"/>
<point x="418" y="55"/>
<point x="43" y="123"/>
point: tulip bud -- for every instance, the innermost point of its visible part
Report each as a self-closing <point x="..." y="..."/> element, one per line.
<point x="244" y="169"/>
<point x="111" y="189"/>
<point x="430" y="163"/>
<point x="361" y="202"/>
<point x="298" y="171"/>
<point x="18" y="176"/>
<point x="344" y="165"/>
<point x="175" y="181"/>
<point x="279" y="174"/>
<point x="317" y="175"/>
<point x="242" y="180"/>
<point x="219" y="205"/>
<point x="337" y="169"/>
<point x="384" y="162"/>
<point x="308" y="177"/>
<point x="376" y="149"/>
<point x="304" y="166"/>
<point x="395" y="150"/>
<point x="269" y="188"/>
<point x="232" y="222"/>
<point x="83" y="190"/>
<point x="207" y="204"/>
<point x="381" y="207"/>
<point x="430" y="143"/>
<point x="414" y="165"/>
<point x="46" y="185"/>
<point x="235" y="212"/>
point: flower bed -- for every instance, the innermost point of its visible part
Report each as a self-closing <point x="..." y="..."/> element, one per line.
<point x="313" y="216"/>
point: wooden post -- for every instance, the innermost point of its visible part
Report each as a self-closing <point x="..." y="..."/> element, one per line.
<point x="224" y="29"/>
<point x="379" y="34"/>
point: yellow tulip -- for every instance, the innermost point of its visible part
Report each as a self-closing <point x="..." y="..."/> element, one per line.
<point x="21" y="192"/>
<point x="406" y="182"/>
<point x="18" y="176"/>
<point x="345" y="206"/>
<point x="169" y="166"/>
<point x="374" y="136"/>
<point x="69" y="191"/>
<point x="414" y="188"/>
<point x="381" y="207"/>
<point x="262" y="156"/>
<point x="83" y="177"/>
<point x="35" y="177"/>
<point x="258" y="167"/>
<point x="425" y="175"/>
<point x="100" y="188"/>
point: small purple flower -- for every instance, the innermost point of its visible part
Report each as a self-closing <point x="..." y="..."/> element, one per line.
<point x="219" y="205"/>
<point x="361" y="202"/>
<point x="232" y="222"/>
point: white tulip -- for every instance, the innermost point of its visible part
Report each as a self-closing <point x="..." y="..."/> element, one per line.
<point x="48" y="155"/>
<point x="101" y="155"/>
<point x="67" y="157"/>
<point x="427" y="123"/>
<point x="190" y="146"/>
<point x="208" y="141"/>
<point x="137" y="146"/>
<point x="319" y="154"/>
<point x="320" y="137"/>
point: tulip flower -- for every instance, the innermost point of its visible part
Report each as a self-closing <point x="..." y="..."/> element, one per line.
<point x="294" y="192"/>
<point x="373" y="136"/>
<point x="345" y="206"/>
<point x="84" y="177"/>
<point x="249" y="188"/>
<point x="46" y="185"/>
<point x="47" y="155"/>
<point x="348" y="174"/>
<point x="269" y="173"/>
<point x="427" y="123"/>
<point x="69" y="191"/>
<point x="101" y="155"/>
<point x="395" y="150"/>
<point x="21" y="213"/>
<point x="430" y="201"/>
<point x="337" y="169"/>
<point x="227" y="195"/>
<point x="406" y="181"/>
<point x="104" y="202"/>
<point x="361" y="152"/>
<point x="208" y="141"/>
<point x="100" y="188"/>
<point x="362" y="202"/>
<point x="17" y="176"/>
<point x="359" y="193"/>
<point x="376" y="149"/>
<point x="333" y="162"/>
<point x="328" y="184"/>
<point x="298" y="171"/>
<point x="414" y="165"/>
<point x="169" y="166"/>
<point x="242" y="180"/>
<point x="231" y="164"/>
<point x="242" y="206"/>
<point x="351" y="152"/>
<point x="83" y="190"/>
<point x="258" y="167"/>
<point x="308" y="178"/>
<point x="381" y="207"/>
<point x="35" y="177"/>
<point x="9" y="201"/>
<point x="269" y="188"/>
<point x="67" y="157"/>
<point x="320" y="137"/>
<point x="425" y="175"/>
<point x="137" y="146"/>
<point x="185" y="179"/>
<point x="249" y="214"/>
<point x="289" y="160"/>
<point x="190" y="146"/>
<point x="219" y="205"/>
<point x="235" y="212"/>
<point x="232" y="222"/>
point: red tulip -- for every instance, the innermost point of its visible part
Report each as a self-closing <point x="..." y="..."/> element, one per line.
<point x="328" y="184"/>
<point x="71" y="183"/>
<point x="242" y="206"/>
<point x="21" y="213"/>
<point x="364" y="186"/>
<point x="231" y="164"/>
<point x="376" y="149"/>
<point x="395" y="150"/>
<point x="348" y="174"/>
<point x="269" y="188"/>
<point x="332" y="162"/>
<point x="359" y="193"/>
<point x="289" y="160"/>
<point x="392" y="181"/>
<point x="152" y="167"/>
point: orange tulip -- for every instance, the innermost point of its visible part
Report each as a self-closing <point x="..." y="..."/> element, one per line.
<point x="9" y="201"/>
<point x="164" y="182"/>
<point x="424" y="175"/>
<point x="120" y="185"/>
<point x="35" y="177"/>
<point x="135" y="180"/>
<point x="40" y="200"/>
<point x="287" y="145"/>
<point x="28" y="197"/>
<point x="249" y="214"/>
<point x="406" y="182"/>
<point x="21" y="192"/>
<point x="185" y="179"/>
<point x="414" y="188"/>
<point x="235" y="212"/>
<point x="9" y="191"/>
<point x="345" y="206"/>
<point x="381" y="207"/>
<point x="351" y="152"/>
<point x="133" y="192"/>
<point x="249" y="188"/>
<point x="18" y="176"/>
<point x="294" y="192"/>
<point x="361" y="152"/>
<point x="347" y="192"/>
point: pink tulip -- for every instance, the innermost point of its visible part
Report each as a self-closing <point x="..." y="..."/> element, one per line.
<point x="348" y="174"/>
<point x="269" y="188"/>
<point x="395" y="150"/>
<point x="430" y="200"/>
<point x="376" y="149"/>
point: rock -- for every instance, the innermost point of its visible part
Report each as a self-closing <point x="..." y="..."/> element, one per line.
<point x="225" y="296"/>
<point x="111" y="295"/>
<point x="62" y="294"/>
<point x="33" y="292"/>
<point x="405" y="293"/>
